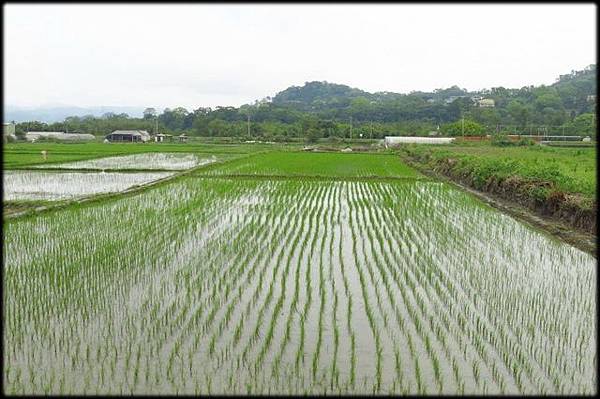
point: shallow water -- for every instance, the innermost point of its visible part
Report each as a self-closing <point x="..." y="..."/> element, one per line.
<point x="52" y="186"/>
<point x="227" y="286"/>
<point x="167" y="161"/>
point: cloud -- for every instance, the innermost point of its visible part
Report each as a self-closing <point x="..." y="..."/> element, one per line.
<point x="208" y="55"/>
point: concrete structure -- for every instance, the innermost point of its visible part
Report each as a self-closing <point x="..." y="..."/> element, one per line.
<point x="133" y="136"/>
<point x="396" y="140"/>
<point x="60" y="136"/>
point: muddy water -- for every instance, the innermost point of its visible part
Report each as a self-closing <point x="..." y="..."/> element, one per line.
<point x="232" y="287"/>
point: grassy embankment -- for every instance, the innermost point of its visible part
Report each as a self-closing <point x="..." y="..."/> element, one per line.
<point x="557" y="182"/>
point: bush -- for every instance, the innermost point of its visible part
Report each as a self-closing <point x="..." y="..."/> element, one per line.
<point x="501" y="140"/>
<point x="525" y="142"/>
<point x="468" y="127"/>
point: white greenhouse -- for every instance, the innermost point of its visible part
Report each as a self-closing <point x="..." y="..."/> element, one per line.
<point x="395" y="140"/>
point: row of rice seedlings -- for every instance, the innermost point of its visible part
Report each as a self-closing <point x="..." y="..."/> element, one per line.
<point x="486" y="291"/>
<point x="360" y="261"/>
<point x="442" y="317"/>
<point x="483" y="333"/>
<point x="381" y="232"/>
<point x="92" y="289"/>
<point x="292" y="310"/>
<point x="467" y="318"/>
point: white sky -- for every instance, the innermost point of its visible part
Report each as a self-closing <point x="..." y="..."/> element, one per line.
<point x="208" y="55"/>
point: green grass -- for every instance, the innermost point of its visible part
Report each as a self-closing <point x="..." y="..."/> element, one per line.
<point x="317" y="164"/>
<point x="572" y="170"/>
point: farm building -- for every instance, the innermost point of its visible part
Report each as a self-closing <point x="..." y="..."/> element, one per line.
<point x="61" y="136"/>
<point x="395" y="140"/>
<point x="129" y="136"/>
<point x="159" y="138"/>
<point x="183" y="138"/>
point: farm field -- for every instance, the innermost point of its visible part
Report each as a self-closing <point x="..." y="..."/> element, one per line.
<point x="293" y="164"/>
<point x="164" y="161"/>
<point x="293" y="285"/>
<point x="26" y="154"/>
<point x="49" y="186"/>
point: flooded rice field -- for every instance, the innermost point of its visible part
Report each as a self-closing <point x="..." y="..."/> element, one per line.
<point x="252" y="286"/>
<point x="166" y="161"/>
<point x="51" y="186"/>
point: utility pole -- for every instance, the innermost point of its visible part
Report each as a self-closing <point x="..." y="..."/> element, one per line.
<point x="248" y="123"/>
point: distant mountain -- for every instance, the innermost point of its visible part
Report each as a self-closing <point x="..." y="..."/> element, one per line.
<point x="573" y="90"/>
<point x="59" y="113"/>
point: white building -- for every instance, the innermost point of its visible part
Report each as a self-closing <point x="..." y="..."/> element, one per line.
<point x="390" y="141"/>
<point x="486" y="103"/>
<point x="60" y="136"/>
<point x="129" y="135"/>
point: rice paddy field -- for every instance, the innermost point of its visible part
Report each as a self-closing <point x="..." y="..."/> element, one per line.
<point x="360" y="284"/>
<point x="18" y="155"/>
<point x="294" y="164"/>
<point x="163" y="161"/>
<point x="48" y="186"/>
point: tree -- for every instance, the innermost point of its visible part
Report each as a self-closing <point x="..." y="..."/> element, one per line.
<point x="470" y="128"/>
<point x="518" y="112"/>
<point x="583" y="125"/>
<point x="150" y="113"/>
<point x="312" y="135"/>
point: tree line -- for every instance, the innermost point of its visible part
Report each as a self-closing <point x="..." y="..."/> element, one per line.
<point x="322" y="109"/>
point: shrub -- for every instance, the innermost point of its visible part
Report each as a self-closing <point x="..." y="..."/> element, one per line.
<point x="501" y="140"/>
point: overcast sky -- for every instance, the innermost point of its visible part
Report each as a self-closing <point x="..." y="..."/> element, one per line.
<point x="208" y="55"/>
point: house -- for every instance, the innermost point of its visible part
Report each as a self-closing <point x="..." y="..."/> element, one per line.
<point x="59" y="136"/>
<point x="8" y="132"/>
<point x="486" y="103"/>
<point x="159" y="138"/>
<point x="183" y="138"/>
<point x="134" y="136"/>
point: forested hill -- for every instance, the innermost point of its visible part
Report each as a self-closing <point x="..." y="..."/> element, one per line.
<point x="322" y="109"/>
<point x="569" y="92"/>
<point x="318" y="94"/>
